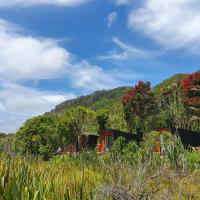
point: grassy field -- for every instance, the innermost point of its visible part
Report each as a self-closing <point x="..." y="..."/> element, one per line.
<point x="114" y="176"/>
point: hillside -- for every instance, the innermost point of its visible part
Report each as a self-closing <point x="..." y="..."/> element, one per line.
<point x="106" y="99"/>
<point x="168" y="83"/>
<point x="95" y="101"/>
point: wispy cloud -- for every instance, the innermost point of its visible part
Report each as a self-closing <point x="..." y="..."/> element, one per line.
<point x="175" y="24"/>
<point x="126" y="52"/>
<point x="111" y="18"/>
<point x="134" y="50"/>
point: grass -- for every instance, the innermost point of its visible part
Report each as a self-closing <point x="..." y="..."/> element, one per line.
<point x="90" y="176"/>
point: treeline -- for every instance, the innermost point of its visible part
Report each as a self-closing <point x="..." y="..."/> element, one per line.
<point x="139" y="111"/>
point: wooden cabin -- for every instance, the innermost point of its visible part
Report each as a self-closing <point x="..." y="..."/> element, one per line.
<point x="84" y="142"/>
<point x="109" y="136"/>
<point x="188" y="138"/>
<point x="87" y="142"/>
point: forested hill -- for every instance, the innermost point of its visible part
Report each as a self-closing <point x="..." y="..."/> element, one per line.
<point x="168" y="83"/>
<point x="95" y="101"/>
<point x="106" y="99"/>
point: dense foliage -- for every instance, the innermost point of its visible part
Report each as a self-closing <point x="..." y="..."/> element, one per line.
<point x="38" y="136"/>
<point x="139" y="109"/>
<point x="191" y="86"/>
<point x="96" y="101"/>
<point x="139" y="103"/>
<point x="43" y="135"/>
<point x="73" y="123"/>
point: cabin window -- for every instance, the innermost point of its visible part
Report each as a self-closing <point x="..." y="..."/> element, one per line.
<point x="108" y="141"/>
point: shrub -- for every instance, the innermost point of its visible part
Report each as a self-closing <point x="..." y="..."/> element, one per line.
<point x="45" y="152"/>
<point x="118" y="146"/>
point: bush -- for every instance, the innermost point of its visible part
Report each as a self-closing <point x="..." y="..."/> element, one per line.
<point x="123" y="151"/>
<point x="118" y="146"/>
<point x="45" y="152"/>
<point x="131" y="152"/>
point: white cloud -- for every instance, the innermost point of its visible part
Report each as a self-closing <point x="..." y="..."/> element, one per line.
<point x="11" y="3"/>
<point x="93" y="77"/>
<point x="30" y="58"/>
<point x="26" y="57"/>
<point x="128" y="52"/>
<point x="123" y="2"/>
<point x="18" y="103"/>
<point x="111" y="18"/>
<point x="172" y="23"/>
<point x="27" y="100"/>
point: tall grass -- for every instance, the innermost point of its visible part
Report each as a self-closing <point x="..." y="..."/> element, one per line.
<point x="91" y="176"/>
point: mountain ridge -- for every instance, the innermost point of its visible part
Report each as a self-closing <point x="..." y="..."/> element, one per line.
<point x="103" y="99"/>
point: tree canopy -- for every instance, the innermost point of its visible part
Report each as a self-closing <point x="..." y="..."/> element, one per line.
<point x="139" y="102"/>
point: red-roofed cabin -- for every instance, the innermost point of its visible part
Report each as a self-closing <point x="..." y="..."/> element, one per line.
<point x="109" y="136"/>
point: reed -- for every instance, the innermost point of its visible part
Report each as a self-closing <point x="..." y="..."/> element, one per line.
<point x="90" y="176"/>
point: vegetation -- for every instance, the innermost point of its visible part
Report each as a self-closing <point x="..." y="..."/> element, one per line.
<point x="96" y="101"/>
<point x="31" y="169"/>
<point x="139" y="111"/>
<point x="6" y="143"/>
<point x="139" y="103"/>
<point x="127" y="172"/>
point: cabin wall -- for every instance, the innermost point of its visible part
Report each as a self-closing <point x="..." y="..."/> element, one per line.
<point x="115" y="134"/>
<point x="188" y="138"/>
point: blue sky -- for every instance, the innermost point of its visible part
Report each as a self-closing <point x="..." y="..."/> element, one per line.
<point x="54" y="50"/>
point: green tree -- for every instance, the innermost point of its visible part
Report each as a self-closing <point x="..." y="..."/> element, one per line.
<point x="75" y="122"/>
<point x="172" y="109"/>
<point x="102" y="119"/>
<point x="38" y="132"/>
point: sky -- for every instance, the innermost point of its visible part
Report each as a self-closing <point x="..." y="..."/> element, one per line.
<point x="55" y="50"/>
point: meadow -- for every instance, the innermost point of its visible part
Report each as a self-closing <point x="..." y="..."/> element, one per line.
<point x="119" y="174"/>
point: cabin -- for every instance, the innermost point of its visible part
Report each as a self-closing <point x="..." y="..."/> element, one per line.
<point x="107" y="138"/>
<point x="188" y="138"/>
<point x="87" y="142"/>
<point x="84" y="142"/>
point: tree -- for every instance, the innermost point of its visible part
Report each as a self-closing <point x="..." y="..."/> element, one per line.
<point x="74" y="123"/>
<point x="191" y="95"/>
<point x="36" y="134"/>
<point x="139" y="102"/>
<point x="102" y="119"/>
<point x="172" y="108"/>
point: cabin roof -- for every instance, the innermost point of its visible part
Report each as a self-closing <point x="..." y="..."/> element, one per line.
<point x="128" y="136"/>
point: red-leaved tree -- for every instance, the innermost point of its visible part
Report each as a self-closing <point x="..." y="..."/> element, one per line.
<point x="139" y="102"/>
<point x="191" y="94"/>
